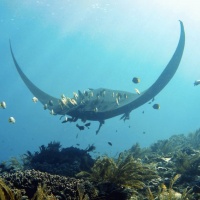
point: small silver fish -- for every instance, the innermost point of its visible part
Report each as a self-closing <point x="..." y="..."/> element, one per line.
<point x="45" y="106"/>
<point x="52" y="112"/>
<point x="62" y="96"/>
<point x="96" y="109"/>
<point x="75" y="95"/>
<point x="3" y="104"/>
<point x="117" y="101"/>
<point x="35" y="99"/>
<point x="51" y="102"/>
<point x="73" y="102"/>
<point x="137" y="91"/>
<point x="64" y="101"/>
<point x="11" y="120"/>
<point x="125" y="96"/>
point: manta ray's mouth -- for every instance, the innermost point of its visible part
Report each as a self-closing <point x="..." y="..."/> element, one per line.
<point x="101" y="104"/>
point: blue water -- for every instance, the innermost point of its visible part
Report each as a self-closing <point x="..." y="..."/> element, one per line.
<point x="65" y="46"/>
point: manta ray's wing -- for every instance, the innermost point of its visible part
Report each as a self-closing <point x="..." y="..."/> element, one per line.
<point x="43" y="97"/>
<point x="105" y="103"/>
<point x="166" y="75"/>
<point x="135" y="101"/>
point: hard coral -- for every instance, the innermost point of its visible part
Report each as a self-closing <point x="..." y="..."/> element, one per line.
<point x="32" y="183"/>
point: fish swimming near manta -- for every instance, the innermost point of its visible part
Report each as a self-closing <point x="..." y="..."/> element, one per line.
<point x="101" y="104"/>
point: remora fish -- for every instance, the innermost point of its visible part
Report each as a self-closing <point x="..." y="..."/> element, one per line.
<point x="105" y="107"/>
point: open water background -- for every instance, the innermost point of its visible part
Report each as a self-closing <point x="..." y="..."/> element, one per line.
<point x="65" y="46"/>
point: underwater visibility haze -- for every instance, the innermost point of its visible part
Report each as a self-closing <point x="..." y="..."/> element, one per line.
<point x="68" y="47"/>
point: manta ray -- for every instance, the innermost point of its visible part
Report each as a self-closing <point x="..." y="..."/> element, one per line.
<point x="102" y="103"/>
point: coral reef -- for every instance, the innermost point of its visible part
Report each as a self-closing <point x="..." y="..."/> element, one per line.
<point x="164" y="147"/>
<point x="126" y="173"/>
<point x="56" y="160"/>
<point x="11" y="165"/>
<point x="5" y="192"/>
<point x="194" y="139"/>
<point x="176" y="143"/>
<point x="168" y="169"/>
<point x="42" y="194"/>
<point x="30" y="181"/>
<point x="179" y="154"/>
<point x="165" y="193"/>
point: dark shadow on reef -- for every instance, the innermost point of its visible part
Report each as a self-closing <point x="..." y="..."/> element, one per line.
<point x="56" y="160"/>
